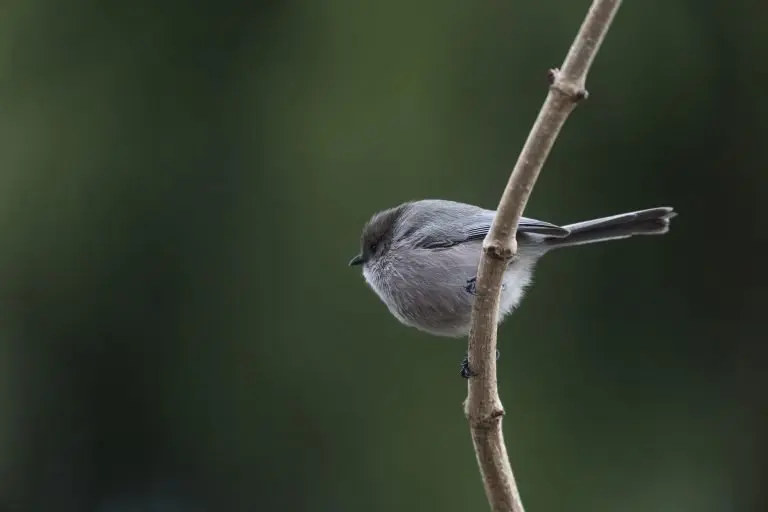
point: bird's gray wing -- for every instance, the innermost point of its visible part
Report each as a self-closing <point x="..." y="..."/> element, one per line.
<point x="478" y="229"/>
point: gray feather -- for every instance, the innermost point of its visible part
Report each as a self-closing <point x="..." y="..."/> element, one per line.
<point x="653" y="221"/>
<point x="447" y="224"/>
<point x="526" y="225"/>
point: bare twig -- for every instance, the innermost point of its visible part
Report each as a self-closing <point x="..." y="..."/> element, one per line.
<point x="483" y="406"/>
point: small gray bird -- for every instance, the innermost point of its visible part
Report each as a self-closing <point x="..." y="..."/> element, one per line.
<point x="421" y="257"/>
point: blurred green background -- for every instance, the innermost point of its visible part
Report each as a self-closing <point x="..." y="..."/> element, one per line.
<point x="182" y="185"/>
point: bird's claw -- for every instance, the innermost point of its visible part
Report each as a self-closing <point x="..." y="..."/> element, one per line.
<point x="471" y="286"/>
<point x="465" y="371"/>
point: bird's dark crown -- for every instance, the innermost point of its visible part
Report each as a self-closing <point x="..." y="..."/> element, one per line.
<point x="378" y="231"/>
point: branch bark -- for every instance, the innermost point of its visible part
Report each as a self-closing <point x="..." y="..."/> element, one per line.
<point x="483" y="407"/>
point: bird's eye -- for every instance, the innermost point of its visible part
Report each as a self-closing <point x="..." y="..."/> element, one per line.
<point x="373" y="247"/>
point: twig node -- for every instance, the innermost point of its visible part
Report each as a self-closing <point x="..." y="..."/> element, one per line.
<point x="574" y="91"/>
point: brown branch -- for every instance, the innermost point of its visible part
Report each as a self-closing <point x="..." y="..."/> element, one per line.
<point x="483" y="406"/>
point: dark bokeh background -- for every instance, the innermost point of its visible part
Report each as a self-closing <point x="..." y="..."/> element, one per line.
<point x="182" y="185"/>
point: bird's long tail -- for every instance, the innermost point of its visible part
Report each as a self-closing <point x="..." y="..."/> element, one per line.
<point x="654" y="221"/>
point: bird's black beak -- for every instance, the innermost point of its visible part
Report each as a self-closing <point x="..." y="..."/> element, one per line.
<point x="357" y="260"/>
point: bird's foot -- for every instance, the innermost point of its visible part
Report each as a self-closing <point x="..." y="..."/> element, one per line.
<point x="471" y="286"/>
<point x="465" y="371"/>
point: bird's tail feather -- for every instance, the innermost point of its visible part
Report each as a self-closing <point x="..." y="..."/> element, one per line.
<point x="654" y="221"/>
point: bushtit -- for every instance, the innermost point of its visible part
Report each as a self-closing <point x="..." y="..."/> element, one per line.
<point x="421" y="257"/>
